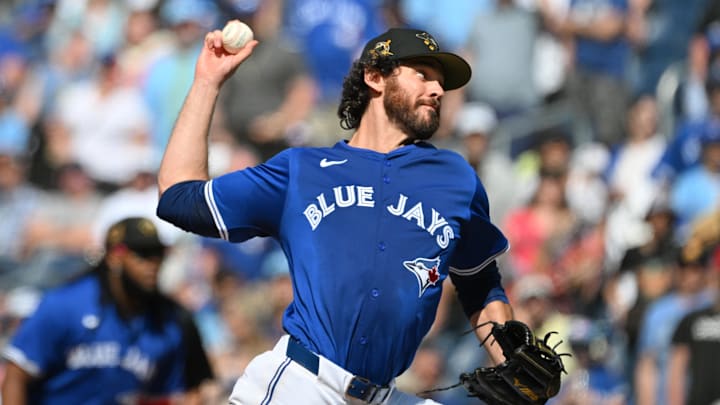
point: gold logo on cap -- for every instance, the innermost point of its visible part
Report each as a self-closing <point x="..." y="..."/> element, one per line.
<point x="146" y="227"/>
<point x="116" y="234"/>
<point x="428" y="41"/>
<point x="382" y="49"/>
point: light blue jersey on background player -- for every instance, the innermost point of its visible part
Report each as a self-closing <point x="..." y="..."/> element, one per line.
<point x="371" y="226"/>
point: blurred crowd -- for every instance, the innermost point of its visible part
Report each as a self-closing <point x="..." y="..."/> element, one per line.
<point x="611" y="207"/>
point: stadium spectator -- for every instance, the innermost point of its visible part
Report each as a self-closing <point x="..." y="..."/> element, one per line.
<point x="539" y="230"/>
<point x="329" y="34"/>
<point x="683" y="150"/>
<point x="145" y="42"/>
<point x="629" y="178"/>
<point x="586" y="188"/>
<point x="462" y="13"/>
<point x="644" y="274"/>
<point x="475" y="126"/>
<point x="691" y="377"/>
<point x="702" y="61"/>
<point x="690" y="292"/>
<point x="534" y="296"/>
<point x="659" y="32"/>
<point x="169" y="78"/>
<point x="107" y="125"/>
<point x="597" y="83"/>
<point x="500" y="46"/>
<point x="594" y="380"/>
<point x="18" y="199"/>
<point x="59" y="237"/>
<point x="697" y="191"/>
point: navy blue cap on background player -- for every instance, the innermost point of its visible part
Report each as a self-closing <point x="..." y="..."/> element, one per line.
<point x="406" y="43"/>
<point x="137" y="234"/>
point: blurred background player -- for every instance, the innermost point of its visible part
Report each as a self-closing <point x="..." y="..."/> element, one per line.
<point x="109" y="336"/>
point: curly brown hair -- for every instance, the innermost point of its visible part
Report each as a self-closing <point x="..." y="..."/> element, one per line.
<point x="355" y="93"/>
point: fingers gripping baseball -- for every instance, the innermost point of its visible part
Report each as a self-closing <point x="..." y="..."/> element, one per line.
<point x="215" y="63"/>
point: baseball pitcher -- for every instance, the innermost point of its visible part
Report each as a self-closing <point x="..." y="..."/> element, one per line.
<point x="371" y="226"/>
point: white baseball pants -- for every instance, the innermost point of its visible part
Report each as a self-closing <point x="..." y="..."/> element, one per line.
<point x="273" y="378"/>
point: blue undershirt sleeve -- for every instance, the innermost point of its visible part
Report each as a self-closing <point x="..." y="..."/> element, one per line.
<point x="184" y="206"/>
<point x="477" y="290"/>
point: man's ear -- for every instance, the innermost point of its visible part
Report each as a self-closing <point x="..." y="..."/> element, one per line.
<point x="374" y="80"/>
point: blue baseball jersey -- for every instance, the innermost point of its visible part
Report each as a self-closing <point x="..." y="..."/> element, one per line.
<point x="369" y="237"/>
<point x="83" y="352"/>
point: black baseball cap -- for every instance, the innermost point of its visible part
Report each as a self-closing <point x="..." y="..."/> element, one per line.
<point x="407" y="43"/>
<point x="137" y="233"/>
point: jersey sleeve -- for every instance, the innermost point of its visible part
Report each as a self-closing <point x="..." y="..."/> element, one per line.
<point x="249" y="202"/>
<point x="480" y="242"/>
<point x="650" y="341"/>
<point x="197" y="364"/>
<point x="36" y="346"/>
<point x="682" y="335"/>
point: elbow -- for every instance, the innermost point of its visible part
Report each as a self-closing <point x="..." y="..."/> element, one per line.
<point x="183" y="205"/>
<point x="164" y="182"/>
<point x="476" y="292"/>
<point x="169" y="176"/>
<point x="176" y="198"/>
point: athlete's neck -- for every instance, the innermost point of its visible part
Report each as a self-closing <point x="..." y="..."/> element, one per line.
<point x="377" y="133"/>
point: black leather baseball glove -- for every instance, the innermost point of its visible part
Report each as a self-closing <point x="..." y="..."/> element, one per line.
<point x="530" y="374"/>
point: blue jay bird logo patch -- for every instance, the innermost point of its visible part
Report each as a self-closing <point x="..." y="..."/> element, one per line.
<point x="426" y="271"/>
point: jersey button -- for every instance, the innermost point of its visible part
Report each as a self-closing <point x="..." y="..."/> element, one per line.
<point x="375" y="292"/>
<point x="363" y="340"/>
<point x="386" y="179"/>
<point x="387" y="163"/>
<point x="381" y="246"/>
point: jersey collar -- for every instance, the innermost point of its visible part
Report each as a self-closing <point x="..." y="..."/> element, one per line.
<point x="371" y="154"/>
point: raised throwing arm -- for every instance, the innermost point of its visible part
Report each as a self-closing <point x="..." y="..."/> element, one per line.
<point x="186" y="155"/>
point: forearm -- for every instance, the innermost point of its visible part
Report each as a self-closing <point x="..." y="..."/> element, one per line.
<point x="14" y="394"/>
<point x="496" y="311"/>
<point x="645" y="380"/>
<point x="186" y="155"/>
<point x="676" y="375"/>
<point x="14" y="387"/>
<point x="698" y="56"/>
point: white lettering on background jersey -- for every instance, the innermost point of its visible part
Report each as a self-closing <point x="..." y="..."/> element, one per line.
<point x="707" y="329"/>
<point x="107" y="355"/>
<point x="101" y="354"/>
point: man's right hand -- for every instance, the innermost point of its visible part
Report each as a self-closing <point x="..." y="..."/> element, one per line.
<point x="215" y="64"/>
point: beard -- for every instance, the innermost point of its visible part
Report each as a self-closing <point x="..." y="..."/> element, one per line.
<point x="402" y="112"/>
<point x="136" y="292"/>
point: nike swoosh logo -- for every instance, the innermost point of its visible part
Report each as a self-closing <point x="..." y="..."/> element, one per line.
<point x="328" y="163"/>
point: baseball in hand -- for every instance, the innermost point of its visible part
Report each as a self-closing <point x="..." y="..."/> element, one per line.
<point x="235" y="35"/>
